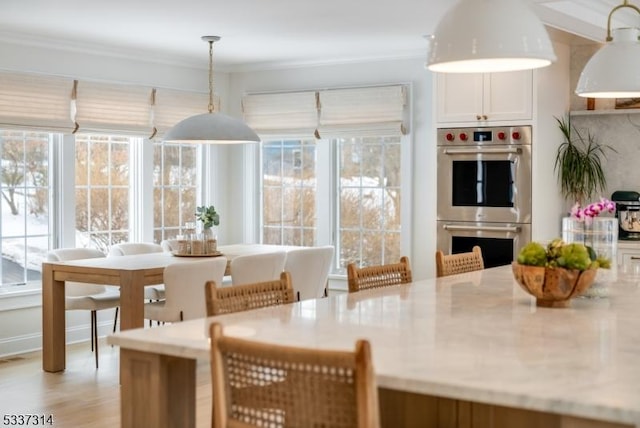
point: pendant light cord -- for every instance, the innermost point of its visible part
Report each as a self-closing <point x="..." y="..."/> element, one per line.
<point x="620" y="6"/>
<point x="210" y="76"/>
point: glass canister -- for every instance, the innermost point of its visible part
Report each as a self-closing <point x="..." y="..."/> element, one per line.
<point x="601" y="234"/>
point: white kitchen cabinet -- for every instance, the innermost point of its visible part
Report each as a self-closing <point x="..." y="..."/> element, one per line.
<point x="629" y="257"/>
<point x="484" y="97"/>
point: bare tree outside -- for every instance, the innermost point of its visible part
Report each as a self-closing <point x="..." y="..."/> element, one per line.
<point x="174" y="188"/>
<point x="102" y="190"/>
<point x="25" y="187"/>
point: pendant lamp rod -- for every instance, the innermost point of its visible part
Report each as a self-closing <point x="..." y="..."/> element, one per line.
<point x="624" y="4"/>
<point x="210" y="40"/>
<point x="211" y="127"/>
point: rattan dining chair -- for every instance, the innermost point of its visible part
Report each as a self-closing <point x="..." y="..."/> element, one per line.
<point x="459" y="263"/>
<point x="248" y="296"/>
<point x="261" y="384"/>
<point x="378" y="276"/>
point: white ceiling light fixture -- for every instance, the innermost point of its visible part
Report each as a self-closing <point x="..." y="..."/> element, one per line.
<point x="614" y="71"/>
<point x="479" y="36"/>
<point x="211" y="127"/>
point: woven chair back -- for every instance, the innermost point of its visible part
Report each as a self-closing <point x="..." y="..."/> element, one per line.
<point x="249" y="296"/>
<point x="259" y="384"/>
<point x="459" y="263"/>
<point x="378" y="276"/>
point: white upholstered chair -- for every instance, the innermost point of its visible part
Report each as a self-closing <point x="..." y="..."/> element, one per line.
<point x="155" y="292"/>
<point x="309" y="269"/>
<point x="184" y="290"/>
<point x="259" y="267"/>
<point x="169" y="245"/>
<point x="88" y="297"/>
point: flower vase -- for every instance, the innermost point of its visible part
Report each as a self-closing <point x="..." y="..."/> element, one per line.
<point x="601" y="234"/>
<point x="210" y="240"/>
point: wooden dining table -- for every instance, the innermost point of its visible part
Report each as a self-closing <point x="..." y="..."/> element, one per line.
<point x="131" y="273"/>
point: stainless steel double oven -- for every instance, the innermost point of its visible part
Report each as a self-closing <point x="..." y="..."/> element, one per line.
<point x="484" y="191"/>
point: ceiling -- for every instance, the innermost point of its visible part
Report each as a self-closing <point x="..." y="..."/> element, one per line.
<point x="260" y="33"/>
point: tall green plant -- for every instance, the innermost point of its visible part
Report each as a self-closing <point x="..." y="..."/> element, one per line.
<point x="578" y="163"/>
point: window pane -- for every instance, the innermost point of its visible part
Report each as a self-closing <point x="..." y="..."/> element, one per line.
<point x="102" y="197"/>
<point x="289" y="192"/>
<point x="175" y="179"/>
<point x="24" y="220"/>
<point x="369" y="200"/>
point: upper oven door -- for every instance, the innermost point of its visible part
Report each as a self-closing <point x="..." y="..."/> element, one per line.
<point x="485" y="183"/>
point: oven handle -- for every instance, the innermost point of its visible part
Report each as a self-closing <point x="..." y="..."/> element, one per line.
<point x="515" y="229"/>
<point x="482" y="150"/>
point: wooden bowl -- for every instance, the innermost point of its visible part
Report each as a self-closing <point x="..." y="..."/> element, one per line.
<point x="552" y="287"/>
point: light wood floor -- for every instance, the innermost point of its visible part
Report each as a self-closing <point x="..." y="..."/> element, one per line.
<point x="81" y="396"/>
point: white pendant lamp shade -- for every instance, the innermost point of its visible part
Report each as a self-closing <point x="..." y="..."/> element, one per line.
<point x="478" y="36"/>
<point x="613" y="71"/>
<point x="211" y="127"/>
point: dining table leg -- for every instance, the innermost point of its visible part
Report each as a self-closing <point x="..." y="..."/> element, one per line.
<point x="157" y="390"/>
<point x="131" y="299"/>
<point x="53" y="322"/>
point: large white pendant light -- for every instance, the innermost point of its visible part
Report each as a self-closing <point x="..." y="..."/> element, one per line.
<point x="487" y="36"/>
<point x="614" y="71"/>
<point x="211" y="127"/>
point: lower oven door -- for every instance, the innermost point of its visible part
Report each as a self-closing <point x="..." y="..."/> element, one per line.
<point x="500" y="242"/>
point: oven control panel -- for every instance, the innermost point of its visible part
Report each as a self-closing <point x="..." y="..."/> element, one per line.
<point x="497" y="135"/>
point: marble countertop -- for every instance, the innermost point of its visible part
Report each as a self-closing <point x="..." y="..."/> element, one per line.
<point x="474" y="336"/>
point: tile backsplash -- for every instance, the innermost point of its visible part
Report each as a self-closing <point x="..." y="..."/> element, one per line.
<point x="622" y="133"/>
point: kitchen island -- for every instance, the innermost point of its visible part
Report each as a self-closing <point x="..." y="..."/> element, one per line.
<point x="469" y="350"/>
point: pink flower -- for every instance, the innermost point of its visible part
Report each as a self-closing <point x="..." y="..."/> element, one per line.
<point x="592" y="210"/>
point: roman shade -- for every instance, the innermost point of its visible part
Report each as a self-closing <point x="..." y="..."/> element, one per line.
<point x="282" y="115"/>
<point x="362" y="111"/>
<point x="172" y="106"/>
<point x="32" y="101"/>
<point x="105" y="107"/>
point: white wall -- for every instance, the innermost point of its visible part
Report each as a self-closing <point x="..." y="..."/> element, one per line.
<point x="422" y="247"/>
<point x="551" y="99"/>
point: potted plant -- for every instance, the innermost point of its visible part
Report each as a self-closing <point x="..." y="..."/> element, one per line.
<point x="578" y="163"/>
<point x="208" y="216"/>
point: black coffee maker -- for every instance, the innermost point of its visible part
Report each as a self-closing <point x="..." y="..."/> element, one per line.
<point x="627" y="213"/>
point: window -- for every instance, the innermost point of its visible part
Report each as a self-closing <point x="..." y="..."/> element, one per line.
<point x="289" y="192"/>
<point x="345" y="187"/>
<point x="368" y="212"/>
<point x="365" y="202"/>
<point x="102" y="190"/>
<point x="174" y="188"/>
<point x="26" y="189"/>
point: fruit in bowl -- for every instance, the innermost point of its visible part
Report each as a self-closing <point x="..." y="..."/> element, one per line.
<point x="556" y="273"/>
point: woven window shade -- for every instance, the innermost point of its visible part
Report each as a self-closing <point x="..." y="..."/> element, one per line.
<point x="285" y="114"/>
<point x="35" y="102"/>
<point x="103" y="107"/>
<point x="362" y="111"/>
<point x="172" y="106"/>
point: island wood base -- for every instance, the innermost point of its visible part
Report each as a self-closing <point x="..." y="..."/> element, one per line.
<point x="157" y="390"/>
<point x="160" y="391"/>
<point x="408" y="410"/>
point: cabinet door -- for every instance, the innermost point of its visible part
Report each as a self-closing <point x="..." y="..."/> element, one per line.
<point x="508" y="95"/>
<point x="629" y="262"/>
<point x="459" y="97"/>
